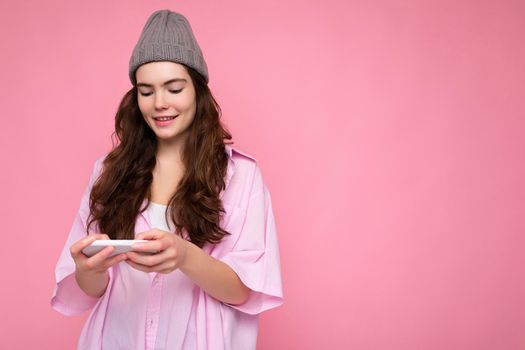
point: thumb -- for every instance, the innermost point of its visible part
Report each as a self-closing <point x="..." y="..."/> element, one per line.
<point x="151" y="234"/>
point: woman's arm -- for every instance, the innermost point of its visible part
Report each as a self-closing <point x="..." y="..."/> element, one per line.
<point x="213" y="276"/>
<point x="93" y="284"/>
<point x="91" y="273"/>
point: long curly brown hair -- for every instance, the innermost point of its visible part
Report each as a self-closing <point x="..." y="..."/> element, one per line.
<point x="126" y="178"/>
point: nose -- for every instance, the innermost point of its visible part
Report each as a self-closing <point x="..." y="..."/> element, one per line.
<point x="160" y="103"/>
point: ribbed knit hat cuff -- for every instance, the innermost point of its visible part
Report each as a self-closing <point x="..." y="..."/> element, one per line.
<point x="166" y="52"/>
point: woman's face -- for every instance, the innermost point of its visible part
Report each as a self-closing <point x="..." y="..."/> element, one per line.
<point x="165" y="89"/>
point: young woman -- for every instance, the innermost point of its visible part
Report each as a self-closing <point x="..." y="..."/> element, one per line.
<point x="199" y="202"/>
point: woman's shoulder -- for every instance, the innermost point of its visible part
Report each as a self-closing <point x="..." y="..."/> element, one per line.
<point x="245" y="166"/>
<point x="238" y="155"/>
<point x="99" y="161"/>
<point x="97" y="166"/>
<point x="242" y="162"/>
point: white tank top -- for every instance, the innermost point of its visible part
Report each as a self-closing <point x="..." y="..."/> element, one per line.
<point x="156" y="214"/>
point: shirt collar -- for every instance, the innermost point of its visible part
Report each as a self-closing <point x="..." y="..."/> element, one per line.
<point x="232" y="160"/>
<point x="230" y="149"/>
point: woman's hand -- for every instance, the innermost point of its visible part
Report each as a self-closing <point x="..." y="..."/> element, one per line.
<point x="171" y="252"/>
<point x="98" y="263"/>
<point x="91" y="272"/>
<point x="213" y="276"/>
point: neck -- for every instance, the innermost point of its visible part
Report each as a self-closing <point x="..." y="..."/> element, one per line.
<point x="170" y="151"/>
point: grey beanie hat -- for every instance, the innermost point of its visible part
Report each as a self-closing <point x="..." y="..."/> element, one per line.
<point x="167" y="36"/>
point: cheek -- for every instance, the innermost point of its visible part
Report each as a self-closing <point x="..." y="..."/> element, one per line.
<point x="189" y="102"/>
<point x="191" y="108"/>
<point x="191" y="115"/>
<point x="141" y="105"/>
<point x="145" y="104"/>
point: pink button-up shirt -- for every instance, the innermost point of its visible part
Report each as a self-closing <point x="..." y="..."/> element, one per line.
<point x="142" y="310"/>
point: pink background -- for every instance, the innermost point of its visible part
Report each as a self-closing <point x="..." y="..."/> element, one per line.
<point x="390" y="134"/>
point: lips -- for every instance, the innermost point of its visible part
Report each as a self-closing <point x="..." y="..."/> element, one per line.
<point x="164" y="118"/>
<point x="159" y="122"/>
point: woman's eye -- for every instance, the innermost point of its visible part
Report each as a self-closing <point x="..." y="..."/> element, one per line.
<point x="172" y="91"/>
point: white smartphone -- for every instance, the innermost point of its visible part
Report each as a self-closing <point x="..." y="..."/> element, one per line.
<point x="121" y="246"/>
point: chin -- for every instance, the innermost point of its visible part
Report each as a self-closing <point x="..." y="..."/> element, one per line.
<point x="170" y="136"/>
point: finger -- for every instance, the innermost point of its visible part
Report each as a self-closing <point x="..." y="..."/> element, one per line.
<point x="114" y="260"/>
<point x="138" y="266"/>
<point x="77" y="247"/>
<point x="152" y="246"/>
<point x="96" y="236"/>
<point x="151" y="234"/>
<point x="97" y="259"/>
<point x="165" y="267"/>
<point x="150" y="260"/>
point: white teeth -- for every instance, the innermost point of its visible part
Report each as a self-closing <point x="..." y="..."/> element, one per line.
<point x="165" y="118"/>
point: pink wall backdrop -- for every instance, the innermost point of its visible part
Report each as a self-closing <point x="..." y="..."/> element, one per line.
<point x="391" y="136"/>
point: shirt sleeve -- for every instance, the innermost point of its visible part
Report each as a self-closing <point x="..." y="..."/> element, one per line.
<point x="67" y="297"/>
<point x="255" y="255"/>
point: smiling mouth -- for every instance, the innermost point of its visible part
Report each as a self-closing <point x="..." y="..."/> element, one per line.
<point x="165" y="118"/>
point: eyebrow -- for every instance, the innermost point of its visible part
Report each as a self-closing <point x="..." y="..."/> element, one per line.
<point x="166" y="83"/>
